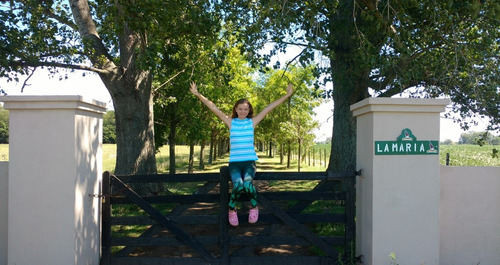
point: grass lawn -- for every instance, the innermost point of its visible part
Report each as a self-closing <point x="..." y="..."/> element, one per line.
<point x="265" y="163"/>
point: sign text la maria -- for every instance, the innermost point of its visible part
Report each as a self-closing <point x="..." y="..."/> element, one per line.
<point x="407" y="144"/>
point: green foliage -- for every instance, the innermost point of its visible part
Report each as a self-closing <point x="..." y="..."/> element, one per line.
<point x="292" y="122"/>
<point x="109" y="128"/>
<point x="130" y="44"/>
<point x="479" y="138"/>
<point x="429" y="48"/>
<point x="447" y="142"/>
<point x="437" y="48"/>
<point x="4" y="126"/>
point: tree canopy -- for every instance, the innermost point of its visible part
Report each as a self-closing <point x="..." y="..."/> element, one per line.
<point x="144" y="49"/>
<point x="129" y="44"/>
<point x="383" y="48"/>
<point x="479" y="138"/>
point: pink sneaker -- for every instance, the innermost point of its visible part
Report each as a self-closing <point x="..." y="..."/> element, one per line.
<point x="253" y="215"/>
<point x="233" y="218"/>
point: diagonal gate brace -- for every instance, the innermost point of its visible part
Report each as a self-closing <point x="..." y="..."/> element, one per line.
<point x="169" y="224"/>
<point x="301" y="229"/>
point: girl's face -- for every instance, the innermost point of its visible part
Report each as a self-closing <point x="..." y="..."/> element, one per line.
<point x="242" y="110"/>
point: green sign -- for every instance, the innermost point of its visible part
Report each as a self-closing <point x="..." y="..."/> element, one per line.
<point x="407" y="144"/>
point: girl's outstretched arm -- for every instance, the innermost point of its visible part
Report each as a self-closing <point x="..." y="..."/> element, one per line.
<point x="226" y="119"/>
<point x="266" y="110"/>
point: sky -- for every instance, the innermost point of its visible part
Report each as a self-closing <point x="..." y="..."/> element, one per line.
<point x="91" y="86"/>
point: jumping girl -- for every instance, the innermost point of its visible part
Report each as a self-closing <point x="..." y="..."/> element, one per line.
<point x="242" y="154"/>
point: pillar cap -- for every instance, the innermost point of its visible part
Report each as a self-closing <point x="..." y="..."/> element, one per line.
<point x="399" y="105"/>
<point x="76" y="102"/>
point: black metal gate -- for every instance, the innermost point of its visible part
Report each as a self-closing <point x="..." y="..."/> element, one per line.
<point x="310" y="226"/>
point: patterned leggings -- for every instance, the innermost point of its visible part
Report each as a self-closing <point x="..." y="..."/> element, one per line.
<point x="242" y="174"/>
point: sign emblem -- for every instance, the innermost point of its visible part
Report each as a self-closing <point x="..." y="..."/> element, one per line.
<point x="407" y="144"/>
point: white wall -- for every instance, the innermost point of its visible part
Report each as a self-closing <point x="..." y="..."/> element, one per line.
<point x="4" y="196"/>
<point x="470" y="215"/>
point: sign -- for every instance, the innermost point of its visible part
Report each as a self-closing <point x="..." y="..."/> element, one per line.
<point x="407" y="144"/>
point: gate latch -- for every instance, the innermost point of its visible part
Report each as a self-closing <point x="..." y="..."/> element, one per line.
<point x="98" y="196"/>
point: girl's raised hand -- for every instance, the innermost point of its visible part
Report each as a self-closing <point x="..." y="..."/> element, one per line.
<point x="194" y="88"/>
<point x="289" y="89"/>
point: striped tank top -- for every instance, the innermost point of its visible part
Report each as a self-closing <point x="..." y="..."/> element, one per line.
<point x="241" y="139"/>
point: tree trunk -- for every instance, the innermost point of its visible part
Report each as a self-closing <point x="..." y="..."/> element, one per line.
<point x="130" y="89"/>
<point x="350" y="77"/>
<point x="135" y="146"/>
<point x="282" y="153"/>
<point x="343" y="147"/>
<point x="298" y="158"/>
<point x="191" y="158"/>
<point x="212" y="140"/>
<point x="216" y="140"/>
<point x="270" y="149"/>
<point x="202" y="154"/>
<point x="289" y="155"/>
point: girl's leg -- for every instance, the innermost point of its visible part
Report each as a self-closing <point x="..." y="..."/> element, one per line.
<point x="236" y="178"/>
<point x="248" y="176"/>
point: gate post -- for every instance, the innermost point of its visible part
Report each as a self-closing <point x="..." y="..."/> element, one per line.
<point x="397" y="196"/>
<point x="55" y="166"/>
<point x="223" y="219"/>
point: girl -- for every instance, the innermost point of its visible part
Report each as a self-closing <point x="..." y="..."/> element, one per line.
<point x="242" y="154"/>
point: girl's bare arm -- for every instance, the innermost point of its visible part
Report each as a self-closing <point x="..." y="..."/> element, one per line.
<point x="225" y="118"/>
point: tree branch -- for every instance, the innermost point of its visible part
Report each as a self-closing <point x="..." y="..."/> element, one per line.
<point x="401" y="66"/>
<point x="56" y="64"/>
<point x="289" y="63"/>
<point x="88" y="31"/>
<point x="48" y="11"/>
<point x="25" y="83"/>
<point x="372" y="6"/>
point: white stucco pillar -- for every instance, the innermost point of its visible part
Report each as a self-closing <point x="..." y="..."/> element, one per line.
<point x="397" y="196"/>
<point x="4" y="206"/>
<point x="55" y="154"/>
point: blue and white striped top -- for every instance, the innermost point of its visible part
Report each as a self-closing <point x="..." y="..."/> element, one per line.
<point x="241" y="139"/>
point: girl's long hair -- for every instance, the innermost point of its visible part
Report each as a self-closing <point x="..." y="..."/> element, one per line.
<point x="242" y="101"/>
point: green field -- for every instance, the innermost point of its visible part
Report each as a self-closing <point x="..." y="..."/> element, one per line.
<point x="460" y="155"/>
<point x="469" y="155"/>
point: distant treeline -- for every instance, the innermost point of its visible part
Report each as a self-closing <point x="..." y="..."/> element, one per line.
<point x="478" y="138"/>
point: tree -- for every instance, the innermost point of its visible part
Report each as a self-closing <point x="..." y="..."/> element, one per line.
<point x="223" y="76"/>
<point x="123" y="41"/>
<point x="479" y="138"/>
<point x="432" y="48"/>
<point x="292" y="121"/>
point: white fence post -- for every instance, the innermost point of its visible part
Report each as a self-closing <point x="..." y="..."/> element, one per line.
<point x="397" y="204"/>
<point x="55" y="165"/>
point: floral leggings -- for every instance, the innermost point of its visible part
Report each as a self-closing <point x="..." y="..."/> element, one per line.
<point x="242" y="175"/>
